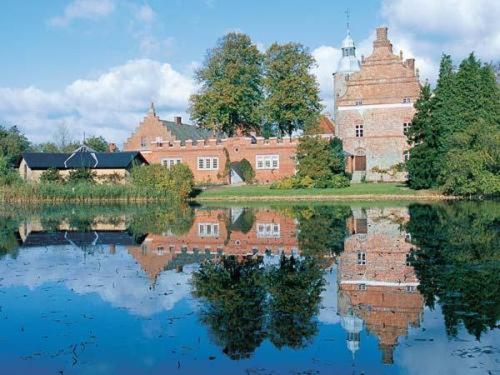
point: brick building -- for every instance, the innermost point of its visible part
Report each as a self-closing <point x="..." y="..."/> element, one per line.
<point x="217" y="232"/>
<point x="374" y="105"/>
<point x="377" y="284"/>
<point x="171" y="142"/>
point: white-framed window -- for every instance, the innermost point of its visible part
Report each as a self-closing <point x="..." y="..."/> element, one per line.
<point x="359" y="102"/>
<point x="359" y="131"/>
<point x="361" y="286"/>
<point x="208" y="229"/>
<point x="406" y="127"/>
<point x="170" y="162"/>
<point x="158" y="141"/>
<point x="410" y="288"/>
<point x="361" y="258"/>
<point x="408" y="260"/>
<point x="267" y="161"/>
<point x="160" y="250"/>
<point x="208" y="163"/>
<point x="268" y="230"/>
<point x="407" y="100"/>
<point x="406" y="155"/>
<point x="144" y="141"/>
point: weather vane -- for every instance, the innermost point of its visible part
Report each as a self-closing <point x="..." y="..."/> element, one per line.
<point x="347" y="17"/>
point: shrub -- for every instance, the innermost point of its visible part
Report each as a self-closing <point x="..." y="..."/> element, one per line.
<point x="81" y="175"/>
<point x="336" y="181"/>
<point x="248" y="174"/>
<point x="306" y="182"/>
<point x="177" y="180"/>
<point x="51" y="175"/>
<point x="182" y="180"/>
<point x="8" y="176"/>
<point x="285" y="183"/>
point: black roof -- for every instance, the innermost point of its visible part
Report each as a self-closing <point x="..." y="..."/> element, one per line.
<point x="59" y="238"/>
<point x="82" y="158"/>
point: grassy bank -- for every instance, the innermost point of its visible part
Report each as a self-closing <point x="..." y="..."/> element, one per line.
<point x="371" y="191"/>
<point x="81" y="193"/>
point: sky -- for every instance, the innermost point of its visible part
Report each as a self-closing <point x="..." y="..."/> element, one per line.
<point x="94" y="66"/>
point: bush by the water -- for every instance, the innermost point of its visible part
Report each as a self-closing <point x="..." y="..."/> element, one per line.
<point x="296" y="182"/>
<point x="178" y="179"/>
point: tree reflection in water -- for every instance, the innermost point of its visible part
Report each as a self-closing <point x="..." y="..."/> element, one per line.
<point x="235" y="292"/>
<point x="457" y="261"/>
<point x="247" y="302"/>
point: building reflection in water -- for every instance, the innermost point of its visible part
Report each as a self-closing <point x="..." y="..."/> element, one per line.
<point x="377" y="284"/>
<point x="218" y="232"/>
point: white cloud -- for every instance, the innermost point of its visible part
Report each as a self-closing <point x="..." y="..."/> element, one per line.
<point x="428" y="28"/>
<point x="83" y="9"/>
<point x="110" y="105"/>
<point x="327" y="58"/>
<point x="145" y="13"/>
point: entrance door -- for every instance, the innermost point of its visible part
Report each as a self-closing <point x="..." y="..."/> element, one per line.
<point x="360" y="163"/>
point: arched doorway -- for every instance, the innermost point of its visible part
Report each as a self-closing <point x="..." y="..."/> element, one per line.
<point x="360" y="160"/>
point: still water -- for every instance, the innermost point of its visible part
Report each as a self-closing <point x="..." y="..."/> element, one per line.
<point x="309" y="289"/>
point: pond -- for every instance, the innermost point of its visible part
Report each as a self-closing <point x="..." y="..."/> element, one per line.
<point x="353" y="288"/>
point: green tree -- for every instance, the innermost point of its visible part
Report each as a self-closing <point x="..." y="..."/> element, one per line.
<point x="292" y="90"/>
<point x="98" y="144"/>
<point x="231" y="87"/>
<point x="295" y="292"/>
<point x="457" y="259"/>
<point x="12" y="144"/>
<point x="235" y="294"/>
<point x="319" y="158"/>
<point x="424" y="163"/>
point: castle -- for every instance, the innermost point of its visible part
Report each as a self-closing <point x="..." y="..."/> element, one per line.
<point x="373" y="109"/>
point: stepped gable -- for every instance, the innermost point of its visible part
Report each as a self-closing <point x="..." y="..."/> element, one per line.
<point x="384" y="77"/>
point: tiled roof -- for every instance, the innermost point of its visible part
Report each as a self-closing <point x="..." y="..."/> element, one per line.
<point x="82" y="159"/>
<point x="184" y="132"/>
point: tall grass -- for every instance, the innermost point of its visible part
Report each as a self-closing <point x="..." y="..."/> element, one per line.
<point x="82" y="192"/>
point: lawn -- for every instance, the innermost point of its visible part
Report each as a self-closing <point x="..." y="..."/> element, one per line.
<point x="397" y="190"/>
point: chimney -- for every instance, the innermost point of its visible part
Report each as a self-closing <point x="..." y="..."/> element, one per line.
<point x="178" y="120"/>
<point x="112" y="147"/>
<point x="381" y="33"/>
<point x="382" y="45"/>
<point x="410" y="63"/>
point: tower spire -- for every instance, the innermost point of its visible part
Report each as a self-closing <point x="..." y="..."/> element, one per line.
<point x="152" y="110"/>
<point x="348" y="26"/>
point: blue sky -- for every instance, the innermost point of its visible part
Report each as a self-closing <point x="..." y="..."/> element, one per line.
<point x="94" y="65"/>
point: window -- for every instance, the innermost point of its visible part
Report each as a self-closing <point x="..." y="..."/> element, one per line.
<point x="410" y="288"/>
<point x="359" y="102"/>
<point x="208" y="229"/>
<point x="267" y="161"/>
<point x="359" y="131"/>
<point x="361" y="258"/>
<point x="159" y="141"/>
<point x="160" y="250"/>
<point x="170" y="162"/>
<point x="406" y="155"/>
<point x="266" y="230"/>
<point x="144" y="141"/>
<point x="362" y="287"/>
<point x="408" y="260"/>
<point x="406" y="127"/>
<point x="407" y="100"/>
<point x="208" y="163"/>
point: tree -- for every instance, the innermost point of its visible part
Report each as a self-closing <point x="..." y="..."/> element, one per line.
<point x="98" y="144"/>
<point x="424" y="163"/>
<point x="231" y="95"/>
<point x="292" y="90"/>
<point x="319" y="158"/>
<point x="456" y="261"/>
<point x="12" y="144"/>
<point x="471" y="160"/>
